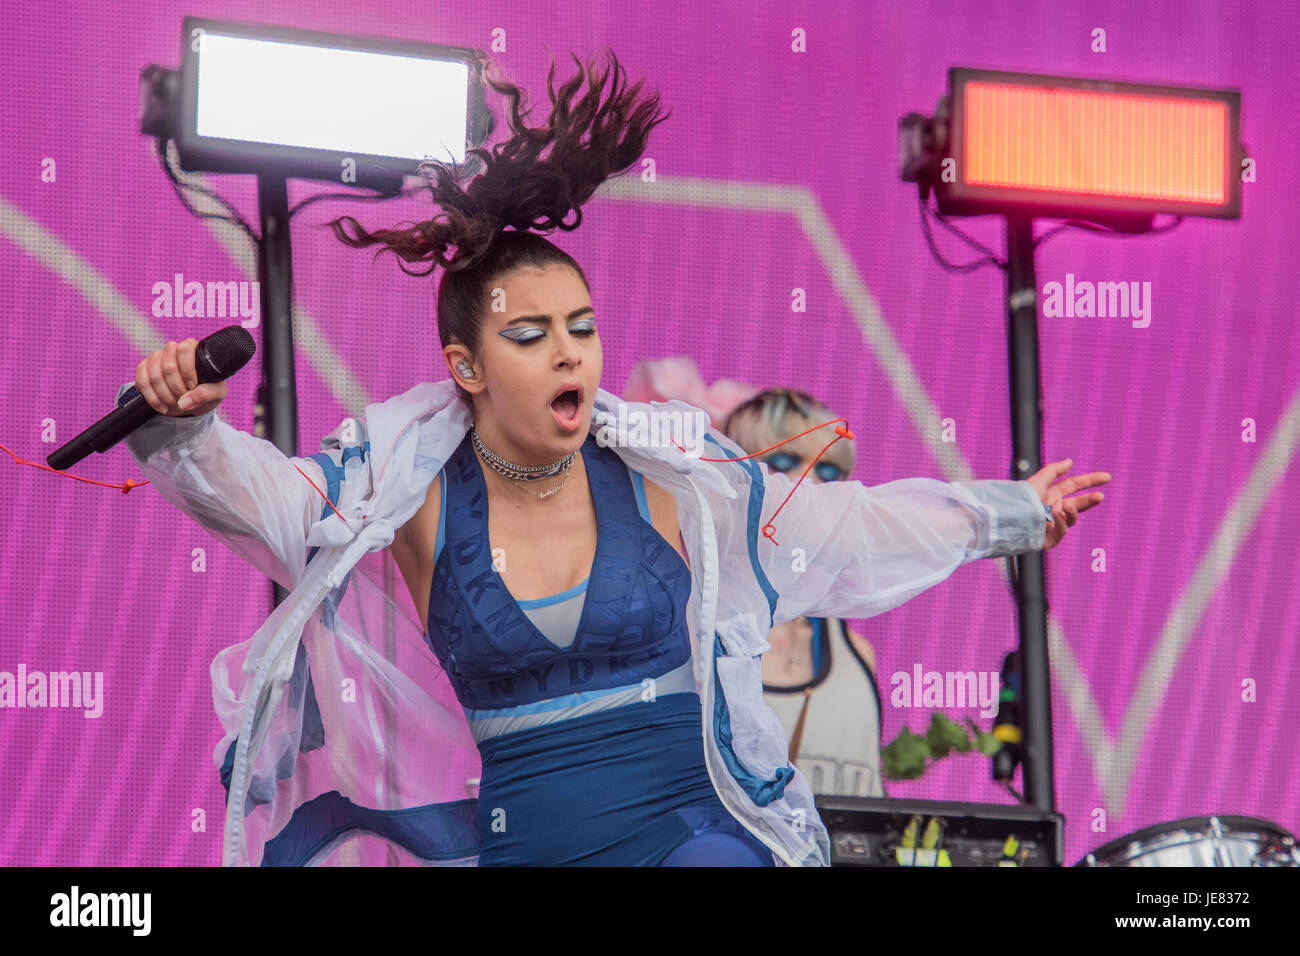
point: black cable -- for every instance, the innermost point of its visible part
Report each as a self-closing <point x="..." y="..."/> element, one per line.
<point x="1093" y="227"/>
<point x="470" y="166"/>
<point x="234" y="217"/>
<point x="319" y="196"/>
<point x="970" y="241"/>
<point x="988" y="259"/>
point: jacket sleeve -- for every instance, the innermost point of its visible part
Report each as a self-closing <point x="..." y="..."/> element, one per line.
<point x="846" y="550"/>
<point x="244" y="490"/>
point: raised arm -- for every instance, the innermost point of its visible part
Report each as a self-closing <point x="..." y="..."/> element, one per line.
<point x="242" y="489"/>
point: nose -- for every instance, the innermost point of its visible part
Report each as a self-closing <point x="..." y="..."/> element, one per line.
<point x="566" y="351"/>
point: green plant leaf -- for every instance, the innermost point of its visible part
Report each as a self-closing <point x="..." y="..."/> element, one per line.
<point x="946" y="735"/>
<point x="904" y="757"/>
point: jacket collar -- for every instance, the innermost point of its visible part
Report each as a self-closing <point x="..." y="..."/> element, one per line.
<point x="653" y="459"/>
<point x="441" y="419"/>
<point x="412" y="436"/>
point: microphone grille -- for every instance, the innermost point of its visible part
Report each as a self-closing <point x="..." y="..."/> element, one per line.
<point x="224" y="352"/>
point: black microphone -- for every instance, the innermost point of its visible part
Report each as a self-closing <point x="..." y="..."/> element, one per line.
<point x="216" y="358"/>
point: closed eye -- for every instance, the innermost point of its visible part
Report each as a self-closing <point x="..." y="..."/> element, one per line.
<point x="584" y="327"/>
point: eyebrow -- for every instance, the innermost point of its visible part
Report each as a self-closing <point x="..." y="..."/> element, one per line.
<point x="546" y="318"/>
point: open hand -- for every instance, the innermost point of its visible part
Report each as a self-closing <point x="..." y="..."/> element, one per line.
<point x="1065" y="510"/>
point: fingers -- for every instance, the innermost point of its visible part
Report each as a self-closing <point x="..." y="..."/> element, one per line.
<point x="169" y="386"/>
<point x="1078" y="482"/>
<point x="203" y="399"/>
<point x="185" y="355"/>
<point x="165" y="375"/>
<point x="1057" y="468"/>
<point x="143" y="383"/>
<point x="1065" y="510"/>
<point x="1065" y="515"/>
<point x="1049" y="473"/>
<point x="1088" y="501"/>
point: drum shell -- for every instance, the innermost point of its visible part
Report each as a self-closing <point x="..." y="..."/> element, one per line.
<point x="1201" y="841"/>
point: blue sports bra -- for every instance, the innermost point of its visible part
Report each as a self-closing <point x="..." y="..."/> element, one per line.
<point x="618" y="637"/>
<point x="555" y="615"/>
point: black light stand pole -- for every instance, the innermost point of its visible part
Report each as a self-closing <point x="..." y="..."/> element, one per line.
<point x="1026" y="457"/>
<point x="276" y="416"/>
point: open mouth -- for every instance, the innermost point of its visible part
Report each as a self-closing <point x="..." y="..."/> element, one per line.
<point x="567" y="408"/>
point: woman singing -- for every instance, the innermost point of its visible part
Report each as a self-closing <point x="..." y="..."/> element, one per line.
<point x="596" y="601"/>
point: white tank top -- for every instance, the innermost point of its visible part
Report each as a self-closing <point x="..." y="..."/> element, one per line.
<point x="839" y="753"/>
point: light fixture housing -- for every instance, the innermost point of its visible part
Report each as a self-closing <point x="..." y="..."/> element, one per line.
<point x="1068" y="147"/>
<point x="352" y="109"/>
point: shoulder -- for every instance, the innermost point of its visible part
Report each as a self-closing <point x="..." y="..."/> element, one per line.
<point x="862" y="648"/>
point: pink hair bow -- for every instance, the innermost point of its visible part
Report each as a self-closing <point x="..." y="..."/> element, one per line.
<point x="661" y="380"/>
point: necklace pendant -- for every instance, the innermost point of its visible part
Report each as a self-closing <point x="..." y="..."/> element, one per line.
<point x="546" y="494"/>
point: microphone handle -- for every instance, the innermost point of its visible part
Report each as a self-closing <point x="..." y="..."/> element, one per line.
<point x="120" y="422"/>
<point x="113" y="427"/>
<point x="134" y="412"/>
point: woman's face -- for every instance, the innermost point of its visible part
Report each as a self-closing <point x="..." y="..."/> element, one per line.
<point x="538" y="339"/>
<point x="793" y="457"/>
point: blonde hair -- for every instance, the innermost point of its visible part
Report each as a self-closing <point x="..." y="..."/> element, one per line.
<point x="765" y="419"/>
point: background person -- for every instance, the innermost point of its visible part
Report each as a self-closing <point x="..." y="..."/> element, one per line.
<point x="818" y="676"/>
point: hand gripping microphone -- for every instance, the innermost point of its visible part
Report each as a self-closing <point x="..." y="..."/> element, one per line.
<point x="216" y="358"/>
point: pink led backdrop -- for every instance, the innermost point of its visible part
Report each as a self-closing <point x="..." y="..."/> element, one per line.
<point x="776" y="172"/>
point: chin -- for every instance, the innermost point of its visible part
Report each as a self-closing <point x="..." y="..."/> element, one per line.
<point x="571" y="442"/>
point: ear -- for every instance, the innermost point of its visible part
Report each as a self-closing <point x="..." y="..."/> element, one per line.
<point x="454" y="355"/>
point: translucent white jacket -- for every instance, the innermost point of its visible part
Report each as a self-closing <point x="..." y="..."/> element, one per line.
<point x="363" y="708"/>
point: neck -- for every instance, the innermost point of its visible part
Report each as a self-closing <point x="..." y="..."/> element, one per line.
<point x="525" y="494"/>
<point x="502" y="477"/>
<point x="500" y="445"/>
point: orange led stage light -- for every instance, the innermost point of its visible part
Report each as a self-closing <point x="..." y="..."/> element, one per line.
<point x="1057" y="146"/>
<point x="1096" y="153"/>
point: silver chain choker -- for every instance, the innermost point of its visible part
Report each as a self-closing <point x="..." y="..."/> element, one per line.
<point x="524" y="472"/>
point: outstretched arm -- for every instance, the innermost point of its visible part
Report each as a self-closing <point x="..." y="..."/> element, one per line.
<point x="1065" y="510"/>
<point x="842" y="549"/>
<point x="846" y="550"/>
<point x="242" y="489"/>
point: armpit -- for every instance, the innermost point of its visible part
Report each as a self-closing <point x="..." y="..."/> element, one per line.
<point x="662" y="506"/>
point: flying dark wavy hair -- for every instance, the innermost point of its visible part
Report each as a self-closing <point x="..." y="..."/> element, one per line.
<point x="585" y="142"/>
